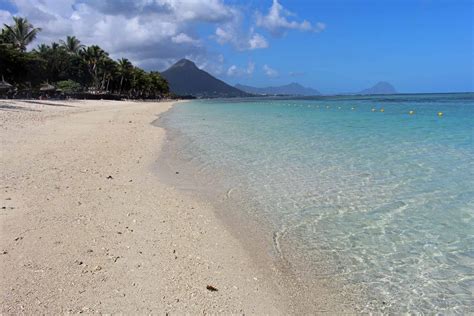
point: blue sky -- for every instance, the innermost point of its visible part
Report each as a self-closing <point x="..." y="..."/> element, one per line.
<point x="333" y="46"/>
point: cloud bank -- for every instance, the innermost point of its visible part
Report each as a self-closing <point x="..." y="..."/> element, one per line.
<point x="155" y="33"/>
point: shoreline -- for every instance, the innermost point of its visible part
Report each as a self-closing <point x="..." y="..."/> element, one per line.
<point x="87" y="226"/>
<point x="344" y="224"/>
<point x="235" y="209"/>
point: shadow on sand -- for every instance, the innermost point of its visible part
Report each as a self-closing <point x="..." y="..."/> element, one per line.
<point x="7" y="107"/>
<point x="47" y="103"/>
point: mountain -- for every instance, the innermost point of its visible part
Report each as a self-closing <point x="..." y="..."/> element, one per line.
<point x="185" y="78"/>
<point x="289" y="89"/>
<point x="381" y="87"/>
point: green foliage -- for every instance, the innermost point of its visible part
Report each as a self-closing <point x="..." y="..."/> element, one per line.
<point x="124" y="70"/>
<point x="20" y="33"/>
<point x="72" y="45"/>
<point x="22" y="69"/>
<point x="3" y="37"/>
<point x="71" y="65"/>
<point x="69" y="86"/>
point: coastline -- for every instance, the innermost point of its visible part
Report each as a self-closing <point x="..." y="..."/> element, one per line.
<point x="304" y="291"/>
<point x="357" y="259"/>
<point x="88" y="226"/>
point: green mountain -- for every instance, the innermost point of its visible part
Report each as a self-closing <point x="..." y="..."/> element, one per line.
<point x="185" y="78"/>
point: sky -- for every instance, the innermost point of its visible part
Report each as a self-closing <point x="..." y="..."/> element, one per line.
<point x="334" y="46"/>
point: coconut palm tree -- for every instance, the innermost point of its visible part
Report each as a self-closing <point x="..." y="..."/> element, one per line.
<point x="108" y="68"/>
<point x="55" y="46"/>
<point x="42" y="49"/>
<point x="21" y="33"/>
<point x="72" y="45"/>
<point x="93" y="56"/>
<point x="124" y="70"/>
<point x="3" y="36"/>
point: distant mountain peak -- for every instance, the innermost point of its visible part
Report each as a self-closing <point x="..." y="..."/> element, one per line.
<point x="184" y="63"/>
<point x="381" y="87"/>
<point x="384" y="85"/>
<point x="293" y="88"/>
<point x="185" y="78"/>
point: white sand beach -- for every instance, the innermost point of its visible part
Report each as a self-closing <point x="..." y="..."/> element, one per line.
<point x="86" y="226"/>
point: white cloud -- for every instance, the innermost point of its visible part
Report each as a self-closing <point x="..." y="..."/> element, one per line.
<point x="154" y="33"/>
<point x="257" y="41"/>
<point x="210" y="62"/>
<point x="5" y="18"/>
<point x="232" y="71"/>
<point x="200" y="10"/>
<point x="182" y="38"/>
<point x="277" y="24"/>
<point x="151" y="33"/>
<point x="235" y="71"/>
<point x="224" y="35"/>
<point x="231" y="32"/>
<point x="250" y="68"/>
<point x="270" y="72"/>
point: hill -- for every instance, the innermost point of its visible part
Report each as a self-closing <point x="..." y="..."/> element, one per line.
<point x="381" y="87"/>
<point x="185" y="78"/>
<point x="289" y="89"/>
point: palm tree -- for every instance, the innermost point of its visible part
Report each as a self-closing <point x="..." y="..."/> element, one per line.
<point x="72" y="45"/>
<point x="108" y="68"/>
<point x="21" y="33"/>
<point x="42" y="49"/>
<point x="160" y="85"/>
<point x="55" y="46"/>
<point x="124" y="69"/>
<point x="4" y="36"/>
<point x="93" y="57"/>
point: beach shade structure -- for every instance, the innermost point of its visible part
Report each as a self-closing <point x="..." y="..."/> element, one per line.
<point x="5" y="86"/>
<point x="46" y="87"/>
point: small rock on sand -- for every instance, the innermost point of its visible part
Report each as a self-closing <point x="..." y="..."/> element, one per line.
<point x="211" y="288"/>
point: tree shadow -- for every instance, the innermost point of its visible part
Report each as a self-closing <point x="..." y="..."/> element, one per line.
<point x="47" y="103"/>
<point x="7" y="107"/>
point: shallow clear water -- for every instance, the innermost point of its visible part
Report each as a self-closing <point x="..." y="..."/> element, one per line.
<point x="380" y="199"/>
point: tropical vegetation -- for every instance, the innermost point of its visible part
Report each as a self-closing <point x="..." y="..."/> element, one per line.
<point x="71" y="66"/>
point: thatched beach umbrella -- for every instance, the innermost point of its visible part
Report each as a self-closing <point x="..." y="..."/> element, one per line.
<point x="5" y="86"/>
<point x="46" y="87"/>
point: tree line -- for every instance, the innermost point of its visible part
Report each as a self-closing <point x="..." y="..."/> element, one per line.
<point x="71" y="66"/>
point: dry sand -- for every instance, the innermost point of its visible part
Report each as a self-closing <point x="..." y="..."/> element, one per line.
<point x="87" y="226"/>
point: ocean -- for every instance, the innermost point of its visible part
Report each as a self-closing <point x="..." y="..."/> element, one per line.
<point x="375" y="192"/>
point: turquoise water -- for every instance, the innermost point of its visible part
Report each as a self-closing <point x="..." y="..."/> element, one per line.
<point x="384" y="200"/>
